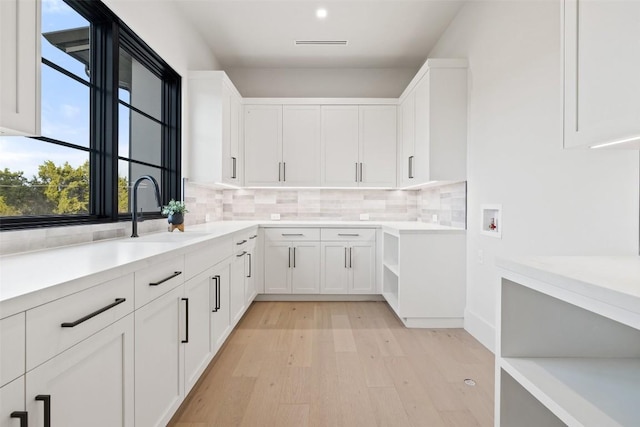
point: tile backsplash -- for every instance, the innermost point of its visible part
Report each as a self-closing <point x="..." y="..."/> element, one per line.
<point x="206" y="204"/>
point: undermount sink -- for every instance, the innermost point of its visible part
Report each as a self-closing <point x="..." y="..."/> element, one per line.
<point x="175" y="237"/>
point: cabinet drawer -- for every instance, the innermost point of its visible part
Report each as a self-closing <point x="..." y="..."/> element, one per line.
<point x="12" y="336"/>
<point x="82" y="314"/>
<point x="292" y="234"/>
<point x="198" y="261"/>
<point x="158" y="279"/>
<point x="348" y="234"/>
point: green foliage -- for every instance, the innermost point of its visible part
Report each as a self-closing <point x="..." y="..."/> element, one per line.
<point x="55" y="190"/>
<point x="174" y="207"/>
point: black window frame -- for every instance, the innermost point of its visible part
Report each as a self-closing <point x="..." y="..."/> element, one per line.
<point x="108" y="34"/>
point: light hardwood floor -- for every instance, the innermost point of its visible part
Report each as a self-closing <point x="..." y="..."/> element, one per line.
<point x="343" y="364"/>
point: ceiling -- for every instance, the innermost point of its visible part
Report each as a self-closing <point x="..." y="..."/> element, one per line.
<point x="251" y="35"/>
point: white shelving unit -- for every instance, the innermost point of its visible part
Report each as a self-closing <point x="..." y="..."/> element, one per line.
<point x="567" y="353"/>
<point x="423" y="276"/>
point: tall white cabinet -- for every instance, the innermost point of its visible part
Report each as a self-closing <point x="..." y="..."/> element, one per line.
<point x="263" y="145"/>
<point x="601" y="68"/>
<point x="433" y="118"/>
<point x="215" y="129"/>
<point x="340" y="145"/>
<point x="20" y="67"/>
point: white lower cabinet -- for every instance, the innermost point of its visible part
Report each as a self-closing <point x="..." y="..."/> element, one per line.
<point x="12" y="404"/>
<point x="250" y="290"/>
<point x="220" y="313"/>
<point x="91" y="383"/>
<point x="292" y="267"/>
<point x="237" y="302"/>
<point x="198" y="348"/>
<point x="348" y="267"/>
<point x="160" y="330"/>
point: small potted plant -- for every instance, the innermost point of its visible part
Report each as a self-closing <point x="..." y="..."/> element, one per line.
<point x="175" y="211"/>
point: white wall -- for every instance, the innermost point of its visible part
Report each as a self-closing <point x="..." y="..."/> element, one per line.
<point x="160" y="24"/>
<point x="555" y="201"/>
<point x="321" y="82"/>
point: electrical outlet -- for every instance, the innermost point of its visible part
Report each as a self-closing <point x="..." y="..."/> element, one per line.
<point x="364" y="217"/>
<point x="275" y="217"/>
<point x="480" y="256"/>
<point x="207" y="218"/>
<point x="434" y="218"/>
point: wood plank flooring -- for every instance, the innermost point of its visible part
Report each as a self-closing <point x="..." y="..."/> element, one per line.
<point x="343" y="364"/>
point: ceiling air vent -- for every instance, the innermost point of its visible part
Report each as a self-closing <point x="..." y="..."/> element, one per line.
<point x="321" y="42"/>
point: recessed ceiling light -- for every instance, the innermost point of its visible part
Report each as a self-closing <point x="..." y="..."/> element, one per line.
<point x="321" y="13"/>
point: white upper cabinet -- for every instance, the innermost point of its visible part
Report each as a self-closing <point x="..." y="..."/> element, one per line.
<point x="601" y="69"/>
<point x="434" y="124"/>
<point x="214" y="129"/>
<point x="263" y="145"/>
<point x="301" y="145"/>
<point x="378" y="135"/>
<point x="359" y="146"/>
<point x="340" y="141"/>
<point x="20" y="67"/>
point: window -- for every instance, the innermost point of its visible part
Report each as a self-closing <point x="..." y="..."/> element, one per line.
<point x="110" y="113"/>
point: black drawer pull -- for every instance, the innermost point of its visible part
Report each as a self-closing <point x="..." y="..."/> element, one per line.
<point x="94" y="314"/>
<point x="292" y="234"/>
<point x="242" y="254"/>
<point x="216" y="307"/>
<point x="241" y="242"/>
<point x="253" y="237"/>
<point x="46" y="398"/>
<point x="348" y="234"/>
<point x="177" y="273"/>
<point x="186" y="321"/>
<point x="22" y="415"/>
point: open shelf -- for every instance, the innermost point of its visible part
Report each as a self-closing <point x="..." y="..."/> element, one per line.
<point x="578" y="390"/>
<point x="390" y="249"/>
<point x="390" y="288"/>
<point x="392" y="268"/>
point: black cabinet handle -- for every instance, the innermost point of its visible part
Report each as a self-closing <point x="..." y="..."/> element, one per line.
<point x="356" y="172"/>
<point x="94" y="314"/>
<point x="253" y="237"/>
<point x="292" y="234"/>
<point x="215" y="306"/>
<point x="348" y="234"/>
<point x="279" y="171"/>
<point x="294" y="257"/>
<point x="249" y="255"/>
<point x="242" y="242"/>
<point x="233" y="174"/>
<point x="289" y="257"/>
<point x="345" y="257"/>
<point x="411" y="167"/>
<point x="241" y="255"/>
<point x="360" y="172"/>
<point x="218" y="299"/>
<point x="350" y="259"/>
<point x="23" y="417"/>
<point x="46" y="398"/>
<point x="284" y="171"/>
<point x="175" y="274"/>
<point x="186" y="321"/>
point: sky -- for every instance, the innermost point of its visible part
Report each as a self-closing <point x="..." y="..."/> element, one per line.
<point x="65" y="104"/>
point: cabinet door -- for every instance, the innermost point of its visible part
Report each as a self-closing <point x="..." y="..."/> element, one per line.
<point x="335" y="264"/>
<point x="340" y="146"/>
<point x="250" y="281"/>
<point x="220" y="314"/>
<point x="362" y="261"/>
<point x="236" y="295"/>
<point x="11" y="400"/>
<point x="263" y="145"/>
<point x="301" y="145"/>
<point x="601" y="69"/>
<point x="197" y="351"/>
<point x="20" y="67"/>
<point x="305" y="268"/>
<point x="407" y="160"/>
<point x="89" y="384"/>
<point x="235" y="161"/>
<point x="277" y="263"/>
<point x="378" y="134"/>
<point x="159" y="359"/>
<point x="421" y="136"/>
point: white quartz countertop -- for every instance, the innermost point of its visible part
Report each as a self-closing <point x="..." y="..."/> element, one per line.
<point x="611" y="279"/>
<point x="34" y="278"/>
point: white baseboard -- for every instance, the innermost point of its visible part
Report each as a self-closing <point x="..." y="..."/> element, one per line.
<point x="317" y="297"/>
<point x="481" y="330"/>
<point x="433" y="323"/>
